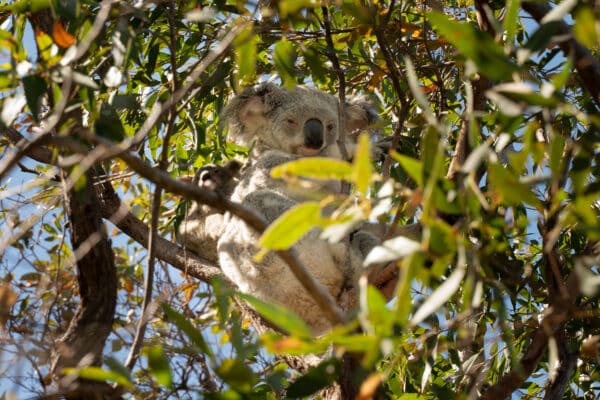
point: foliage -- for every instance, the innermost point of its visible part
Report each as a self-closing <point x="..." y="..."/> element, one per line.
<point x="495" y="150"/>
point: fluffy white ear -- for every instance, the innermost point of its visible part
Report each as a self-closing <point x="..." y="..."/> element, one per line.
<point x="360" y="114"/>
<point x="245" y="113"/>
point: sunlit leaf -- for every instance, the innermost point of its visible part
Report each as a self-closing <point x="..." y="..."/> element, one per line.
<point x="585" y="28"/>
<point x="314" y="167"/>
<point x="414" y="168"/>
<point x="100" y="375"/>
<point x="440" y="296"/>
<point x="361" y="166"/>
<point x="291" y="226"/>
<point x="245" y="54"/>
<point x="284" y="58"/>
<point x="391" y="250"/>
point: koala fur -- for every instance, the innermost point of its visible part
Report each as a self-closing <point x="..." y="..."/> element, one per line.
<point x="285" y="125"/>
<point x="203" y="226"/>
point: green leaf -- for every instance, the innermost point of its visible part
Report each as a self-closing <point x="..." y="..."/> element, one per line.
<point x="378" y="312"/>
<point x="245" y="54"/>
<point x="507" y="187"/>
<point x="584" y="28"/>
<point x="314" y="167"/>
<point x="542" y="36"/>
<point x="35" y="88"/>
<point x="100" y="375"/>
<point x="511" y="19"/>
<point x="440" y="296"/>
<point x="237" y="374"/>
<point x="288" y="7"/>
<point x="414" y="168"/>
<point x="291" y="226"/>
<point x="108" y="124"/>
<point x="284" y="57"/>
<point x="362" y="171"/>
<point x="280" y="316"/>
<point x="159" y="365"/>
<point x="315" y="379"/>
<point x="475" y="45"/>
<point x="188" y="328"/>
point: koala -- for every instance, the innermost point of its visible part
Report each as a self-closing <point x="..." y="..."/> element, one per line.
<point x="202" y="226"/>
<point x="282" y="126"/>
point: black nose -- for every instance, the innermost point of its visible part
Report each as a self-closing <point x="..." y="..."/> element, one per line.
<point x="313" y="134"/>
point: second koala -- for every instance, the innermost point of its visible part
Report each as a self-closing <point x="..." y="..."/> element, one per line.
<point x="202" y="225"/>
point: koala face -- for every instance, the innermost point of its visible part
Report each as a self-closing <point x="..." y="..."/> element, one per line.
<point x="216" y="177"/>
<point x="301" y="122"/>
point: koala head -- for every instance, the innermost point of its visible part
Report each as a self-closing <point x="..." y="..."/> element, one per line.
<point x="216" y="177"/>
<point x="301" y="122"/>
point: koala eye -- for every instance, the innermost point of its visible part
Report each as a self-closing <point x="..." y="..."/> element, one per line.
<point x="291" y="121"/>
<point x="330" y="127"/>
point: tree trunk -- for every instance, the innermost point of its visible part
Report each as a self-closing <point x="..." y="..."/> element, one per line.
<point x="84" y="340"/>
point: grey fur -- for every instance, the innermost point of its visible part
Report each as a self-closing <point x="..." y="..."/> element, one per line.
<point x="202" y="225"/>
<point x="275" y="120"/>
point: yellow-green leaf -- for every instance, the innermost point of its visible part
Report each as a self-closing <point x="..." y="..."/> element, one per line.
<point x="291" y="226"/>
<point x="414" y="168"/>
<point x="314" y="167"/>
<point x="245" y="54"/>
<point x="362" y="171"/>
<point x="100" y="375"/>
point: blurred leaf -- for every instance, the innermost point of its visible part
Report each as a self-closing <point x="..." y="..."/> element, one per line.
<point x="99" y="375"/>
<point x="61" y="37"/>
<point x="585" y="29"/>
<point x="414" y="168"/>
<point x="507" y="187"/>
<point x="245" y="53"/>
<point x="284" y="58"/>
<point x="314" y="167"/>
<point x="391" y="250"/>
<point x="290" y="7"/>
<point x="236" y="374"/>
<point x="188" y="328"/>
<point x="291" y="226"/>
<point x="475" y="45"/>
<point x="35" y="88"/>
<point x="361" y="166"/>
<point x="315" y="379"/>
<point x="159" y="365"/>
<point x="440" y="296"/>
<point x="279" y="316"/>
<point x="543" y="36"/>
<point x="368" y="387"/>
<point x="108" y="124"/>
<point x="511" y="19"/>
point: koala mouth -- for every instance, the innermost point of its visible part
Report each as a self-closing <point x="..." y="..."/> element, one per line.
<point x="308" y="152"/>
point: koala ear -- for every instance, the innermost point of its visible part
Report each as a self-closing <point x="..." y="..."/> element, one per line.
<point x="233" y="167"/>
<point x="360" y="113"/>
<point x="245" y="113"/>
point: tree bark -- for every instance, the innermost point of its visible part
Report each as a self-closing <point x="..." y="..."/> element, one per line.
<point x="84" y="340"/>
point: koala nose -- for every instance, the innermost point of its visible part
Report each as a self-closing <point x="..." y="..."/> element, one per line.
<point x="313" y="134"/>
